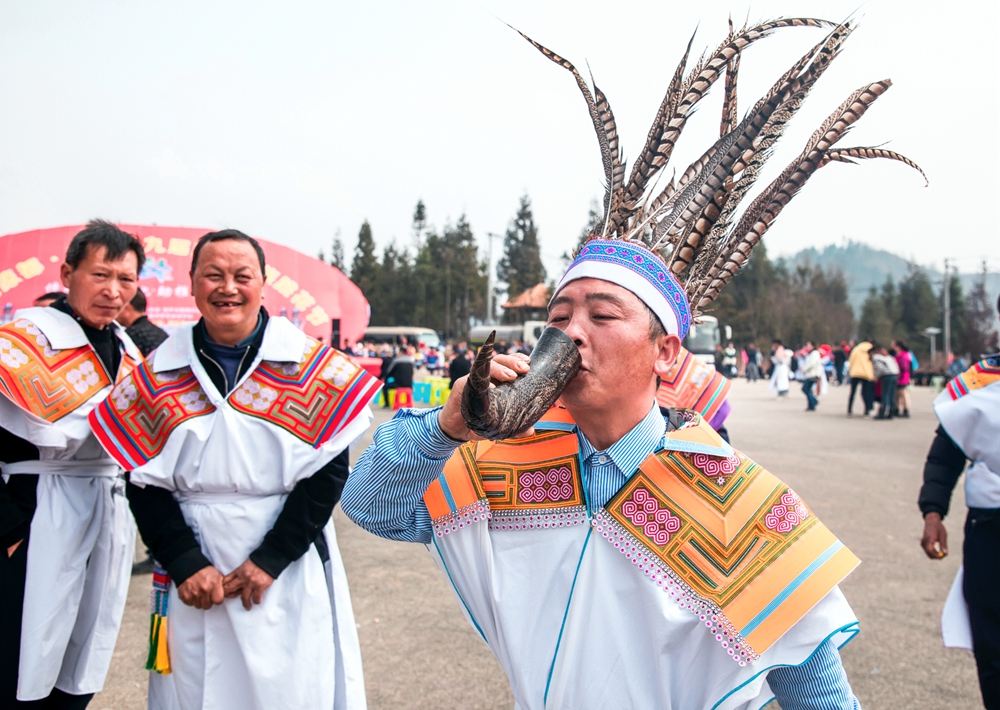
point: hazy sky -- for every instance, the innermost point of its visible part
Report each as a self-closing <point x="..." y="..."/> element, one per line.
<point x="292" y="120"/>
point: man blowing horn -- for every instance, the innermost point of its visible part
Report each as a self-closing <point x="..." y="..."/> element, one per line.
<point x="613" y="556"/>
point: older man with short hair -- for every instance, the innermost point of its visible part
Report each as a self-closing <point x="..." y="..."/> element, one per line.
<point x="67" y="541"/>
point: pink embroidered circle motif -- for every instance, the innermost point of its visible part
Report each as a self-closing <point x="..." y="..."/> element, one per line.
<point x="786" y="515"/>
<point x="553" y="485"/>
<point x="650" y="516"/>
<point x="716" y="465"/>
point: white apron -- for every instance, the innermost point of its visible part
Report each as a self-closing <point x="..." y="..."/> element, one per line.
<point x="82" y="537"/>
<point x="231" y="473"/>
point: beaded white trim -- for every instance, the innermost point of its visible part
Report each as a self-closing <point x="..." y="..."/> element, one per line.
<point x="539" y="518"/>
<point x="671" y="583"/>
<point x="467" y="515"/>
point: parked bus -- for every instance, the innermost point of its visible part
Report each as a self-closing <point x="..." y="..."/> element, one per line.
<point x="702" y="339"/>
<point x="393" y="335"/>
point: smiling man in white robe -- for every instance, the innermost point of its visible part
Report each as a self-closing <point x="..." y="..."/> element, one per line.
<point x="67" y="538"/>
<point x="236" y="435"/>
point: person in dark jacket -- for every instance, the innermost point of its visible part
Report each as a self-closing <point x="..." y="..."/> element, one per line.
<point x="969" y="414"/>
<point x="146" y="335"/>
<point x="460" y="364"/>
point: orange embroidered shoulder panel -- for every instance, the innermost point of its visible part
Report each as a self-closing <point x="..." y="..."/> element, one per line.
<point x="313" y="399"/>
<point x="730" y="541"/>
<point x="46" y="382"/>
<point x="136" y="420"/>
<point x="519" y="484"/>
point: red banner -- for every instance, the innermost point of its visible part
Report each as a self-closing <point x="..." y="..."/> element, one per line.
<point x="311" y="293"/>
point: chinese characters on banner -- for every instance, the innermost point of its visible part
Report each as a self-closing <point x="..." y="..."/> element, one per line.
<point x="310" y="292"/>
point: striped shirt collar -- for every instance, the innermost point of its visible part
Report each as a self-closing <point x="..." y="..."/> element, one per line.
<point x="632" y="449"/>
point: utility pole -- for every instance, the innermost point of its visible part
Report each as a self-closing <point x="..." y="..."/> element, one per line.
<point x="947" y="313"/>
<point x="489" y="278"/>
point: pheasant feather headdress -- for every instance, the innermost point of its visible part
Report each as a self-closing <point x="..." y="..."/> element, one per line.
<point x="681" y="244"/>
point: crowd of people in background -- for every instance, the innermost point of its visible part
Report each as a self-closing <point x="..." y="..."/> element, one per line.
<point x="401" y="360"/>
<point x="883" y="374"/>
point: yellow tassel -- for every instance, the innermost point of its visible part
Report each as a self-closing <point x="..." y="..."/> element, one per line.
<point x="162" y="663"/>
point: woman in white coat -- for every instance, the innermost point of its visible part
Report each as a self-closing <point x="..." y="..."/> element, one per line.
<point x="236" y="434"/>
<point x="780" y="358"/>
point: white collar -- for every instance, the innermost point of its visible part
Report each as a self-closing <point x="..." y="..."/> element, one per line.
<point x="283" y="342"/>
<point x="64" y="333"/>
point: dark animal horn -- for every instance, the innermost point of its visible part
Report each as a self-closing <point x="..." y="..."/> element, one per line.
<point x="476" y="396"/>
<point x="512" y="407"/>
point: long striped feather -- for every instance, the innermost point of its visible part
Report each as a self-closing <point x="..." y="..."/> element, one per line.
<point x="711" y="225"/>
<point x="848" y="155"/>
<point x="596" y="116"/>
<point x="664" y="134"/>
<point x="708" y="191"/>
<point x="761" y="214"/>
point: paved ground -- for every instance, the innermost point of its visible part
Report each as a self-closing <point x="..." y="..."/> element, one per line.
<point x="860" y="476"/>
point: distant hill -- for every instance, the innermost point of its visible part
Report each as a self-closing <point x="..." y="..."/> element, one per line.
<point x="864" y="266"/>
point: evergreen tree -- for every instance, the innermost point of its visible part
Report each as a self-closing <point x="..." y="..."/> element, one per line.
<point x="452" y="279"/>
<point x="981" y="336"/>
<point x="959" y="316"/>
<point x="917" y="311"/>
<point x="390" y="301"/>
<point x="419" y="223"/>
<point x="364" y="269"/>
<point x="337" y="252"/>
<point x="521" y="267"/>
<point x="875" y="323"/>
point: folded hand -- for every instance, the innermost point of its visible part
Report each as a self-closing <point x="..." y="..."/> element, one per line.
<point x="203" y="589"/>
<point x="249" y="582"/>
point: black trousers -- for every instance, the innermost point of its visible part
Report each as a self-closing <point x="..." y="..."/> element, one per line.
<point x="982" y="579"/>
<point x="867" y="394"/>
<point x="12" y="574"/>
<point x="887" y="406"/>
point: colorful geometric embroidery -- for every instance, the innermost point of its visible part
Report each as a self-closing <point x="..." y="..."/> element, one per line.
<point x="647" y="266"/>
<point x="786" y="515"/>
<point x="691" y="384"/>
<point x="552" y="486"/>
<point x="136" y="419"/>
<point x="46" y="382"/>
<point x="312" y="399"/>
<point x="650" y="516"/>
<point x="709" y="531"/>
<point x="516" y="484"/>
<point x="983" y="373"/>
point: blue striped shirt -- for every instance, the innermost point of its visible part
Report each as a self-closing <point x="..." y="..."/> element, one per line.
<point x="384" y="495"/>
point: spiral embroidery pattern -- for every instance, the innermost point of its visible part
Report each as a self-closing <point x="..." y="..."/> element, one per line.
<point x="647" y="514"/>
<point x="554" y="485"/>
<point x="786" y="515"/>
<point x="716" y="465"/>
